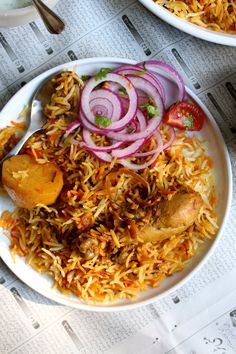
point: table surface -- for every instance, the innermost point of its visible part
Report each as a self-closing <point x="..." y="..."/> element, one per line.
<point x="200" y="317"/>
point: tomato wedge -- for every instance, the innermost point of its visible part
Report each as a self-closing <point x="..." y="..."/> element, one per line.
<point x="184" y="115"/>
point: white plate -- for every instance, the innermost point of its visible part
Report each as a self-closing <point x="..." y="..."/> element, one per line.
<point x="190" y="28"/>
<point x="216" y="148"/>
<point x="18" y="17"/>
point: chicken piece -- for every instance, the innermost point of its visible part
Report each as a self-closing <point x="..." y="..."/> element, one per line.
<point x="176" y="215"/>
<point x="29" y="183"/>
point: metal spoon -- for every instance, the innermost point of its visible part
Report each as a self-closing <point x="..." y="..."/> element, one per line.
<point x="37" y="118"/>
<point x="53" y="23"/>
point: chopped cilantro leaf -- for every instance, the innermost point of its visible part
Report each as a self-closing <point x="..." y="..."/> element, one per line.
<point x="139" y="72"/>
<point x="102" y="73"/>
<point x="103" y="121"/>
<point x="151" y="110"/>
<point x="130" y="128"/>
<point x="150" y="107"/>
<point x="123" y="92"/>
<point x="85" y="77"/>
<point x="188" y="122"/>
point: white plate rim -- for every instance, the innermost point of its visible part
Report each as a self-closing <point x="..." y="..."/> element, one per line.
<point x="111" y="307"/>
<point x="188" y="27"/>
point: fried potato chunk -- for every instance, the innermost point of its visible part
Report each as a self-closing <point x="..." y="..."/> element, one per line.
<point x="29" y="183"/>
<point x="175" y="216"/>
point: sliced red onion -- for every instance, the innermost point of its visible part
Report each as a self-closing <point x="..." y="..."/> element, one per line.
<point x="71" y="127"/>
<point x="138" y="71"/>
<point x="144" y="133"/>
<point x="104" y="102"/>
<point x="159" y="139"/>
<point x="123" y="112"/>
<point x="141" y="120"/>
<point x="133" y="126"/>
<point x="90" y="144"/>
<point x="167" y="71"/>
<point x="150" y="90"/>
<point x="134" y="166"/>
<point x="135" y="67"/>
<point x="103" y="156"/>
<point x="155" y="153"/>
<point x="172" y="138"/>
<point x="159" y="147"/>
<point x="138" y="124"/>
<point x="129" y="150"/>
<point x="88" y="125"/>
<point x="124" y="82"/>
<point x="101" y="107"/>
<point x="113" y="86"/>
<point x="142" y="98"/>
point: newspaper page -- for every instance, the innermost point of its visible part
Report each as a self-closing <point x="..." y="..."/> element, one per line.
<point x="200" y="317"/>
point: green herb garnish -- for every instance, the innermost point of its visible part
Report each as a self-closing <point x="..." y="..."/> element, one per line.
<point x="151" y="110"/>
<point x="139" y="72"/>
<point x="188" y="122"/>
<point x="123" y="92"/>
<point x="103" y="121"/>
<point x="130" y="128"/>
<point x="102" y="73"/>
<point x="85" y="77"/>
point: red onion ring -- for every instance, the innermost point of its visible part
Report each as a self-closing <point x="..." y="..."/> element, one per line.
<point x="124" y="111"/>
<point x="153" y="124"/>
<point x="156" y="152"/>
<point x="160" y="146"/>
<point x="71" y="127"/>
<point x="135" y="69"/>
<point x="90" y="145"/>
<point x="145" y="86"/>
<point x="107" y="102"/>
<point x="129" y="150"/>
<point x="103" y="156"/>
<point x="133" y="100"/>
<point x="134" y="166"/>
<point x="150" y="90"/>
<point x="88" y="125"/>
<point x="165" y="70"/>
<point x="171" y="140"/>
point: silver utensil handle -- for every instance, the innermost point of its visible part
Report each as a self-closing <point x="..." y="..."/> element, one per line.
<point x="53" y="23"/>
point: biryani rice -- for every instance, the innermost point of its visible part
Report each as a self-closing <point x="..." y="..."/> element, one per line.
<point x="88" y="241"/>
<point x="217" y="15"/>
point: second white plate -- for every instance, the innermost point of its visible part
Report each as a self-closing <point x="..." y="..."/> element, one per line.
<point x="188" y="27"/>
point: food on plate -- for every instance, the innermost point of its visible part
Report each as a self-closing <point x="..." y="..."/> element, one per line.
<point x="185" y="115"/>
<point x="211" y="14"/>
<point x="29" y="183"/>
<point x="138" y="196"/>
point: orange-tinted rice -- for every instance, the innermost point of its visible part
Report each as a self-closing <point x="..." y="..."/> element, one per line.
<point x="88" y="241"/>
<point x="217" y="15"/>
